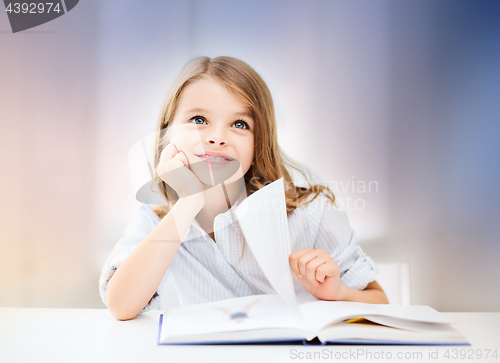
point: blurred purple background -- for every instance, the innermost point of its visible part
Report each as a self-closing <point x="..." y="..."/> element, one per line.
<point x="403" y="94"/>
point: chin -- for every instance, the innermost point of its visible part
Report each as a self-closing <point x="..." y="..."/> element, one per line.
<point x="212" y="175"/>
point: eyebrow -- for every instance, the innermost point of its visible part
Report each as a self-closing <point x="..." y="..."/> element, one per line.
<point x="203" y="110"/>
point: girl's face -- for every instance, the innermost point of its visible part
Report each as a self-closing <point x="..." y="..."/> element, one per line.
<point x="215" y="130"/>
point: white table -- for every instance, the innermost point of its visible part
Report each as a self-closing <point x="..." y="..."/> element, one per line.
<point x="94" y="335"/>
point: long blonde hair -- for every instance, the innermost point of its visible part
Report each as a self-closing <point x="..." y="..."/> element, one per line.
<point x="270" y="162"/>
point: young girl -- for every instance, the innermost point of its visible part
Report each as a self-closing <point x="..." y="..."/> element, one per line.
<point x="217" y="144"/>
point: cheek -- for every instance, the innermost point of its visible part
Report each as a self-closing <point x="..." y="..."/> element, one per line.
<point x="183" y="138"/>
<point x="248" y="151"/>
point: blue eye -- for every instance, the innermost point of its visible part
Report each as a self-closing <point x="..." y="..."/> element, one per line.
<point x="240" y="124"/>
<point x="199" y="120"/>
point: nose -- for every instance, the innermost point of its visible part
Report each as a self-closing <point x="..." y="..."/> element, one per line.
<point x="217" y="138"/>
<point x="215" y="141"/>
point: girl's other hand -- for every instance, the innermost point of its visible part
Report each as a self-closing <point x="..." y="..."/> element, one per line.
<point x="317" y="272"/>
<point x="174" y="169"/>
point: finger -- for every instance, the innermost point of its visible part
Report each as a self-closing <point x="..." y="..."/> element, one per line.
<point x="181" y="156"/>
<point x="293" y="259"/>
<point x="333" y="269"/>
<point x="293" y="266"/>
<point x="304" y="259"/>
<point x="328" y="269"/>
<point x="166" y="155"/>
<point x="178" y="161"/>
<point x="168" y="152"/>
<point x="311" y="270"/>
<point x="185" y="159"/>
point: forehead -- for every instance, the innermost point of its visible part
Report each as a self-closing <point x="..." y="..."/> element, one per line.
<point x="209" y="94"/>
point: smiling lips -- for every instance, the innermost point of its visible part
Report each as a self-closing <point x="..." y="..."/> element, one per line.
<point x="214" y="158"/>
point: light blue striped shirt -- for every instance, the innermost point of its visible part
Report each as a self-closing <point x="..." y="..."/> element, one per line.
<point x="204" y="271"/>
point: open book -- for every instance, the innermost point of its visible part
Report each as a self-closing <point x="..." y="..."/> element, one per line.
<point x="279" y="318"/>
<point x="265" y="318"/>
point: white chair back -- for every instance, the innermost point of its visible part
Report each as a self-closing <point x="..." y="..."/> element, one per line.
<point x="395" y="280"/>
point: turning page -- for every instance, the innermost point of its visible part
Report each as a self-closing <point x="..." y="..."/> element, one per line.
<point x="262" y="218"/>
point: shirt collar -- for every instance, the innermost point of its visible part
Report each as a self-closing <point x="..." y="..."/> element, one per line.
<point x="220" y="221"/>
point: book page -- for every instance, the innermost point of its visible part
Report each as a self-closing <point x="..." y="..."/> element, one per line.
<point x="263" y="220"/>
<point x="379" y="334"/>
<point x="323" y="313"/>
<point x="238" y="314"/>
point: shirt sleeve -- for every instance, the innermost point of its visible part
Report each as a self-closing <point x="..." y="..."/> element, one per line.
<point x="142" y="222"/>
<point x="336" y="237"/>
